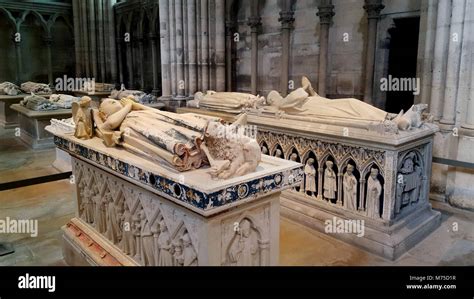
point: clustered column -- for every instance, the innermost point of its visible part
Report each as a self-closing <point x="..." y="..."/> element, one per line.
<point x="191" y="31"/>
<point x="373" y="8"/>
<point x="325" y="14"/>
<point x="286" y="19"/>
<point x="254" y="22"/>
<point x="94" y="38"/>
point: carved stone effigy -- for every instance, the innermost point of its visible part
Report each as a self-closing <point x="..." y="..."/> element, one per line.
<point x="132" y="211"/>
<point x="361" y="172"/>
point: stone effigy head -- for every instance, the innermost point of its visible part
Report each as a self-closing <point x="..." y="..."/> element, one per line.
<point x="109" y="107"/>
<point x="310" y="161"/>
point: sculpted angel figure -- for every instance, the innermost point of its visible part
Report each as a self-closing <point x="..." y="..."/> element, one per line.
<point x="184" y="141"/>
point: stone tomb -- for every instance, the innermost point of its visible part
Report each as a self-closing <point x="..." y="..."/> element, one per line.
<point x="8" y="116"/>
<point x="131" y="211"/>
<point x="32" y="125"/>
<point x="354" y="174"/>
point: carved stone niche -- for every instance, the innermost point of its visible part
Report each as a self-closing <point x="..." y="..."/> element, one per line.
<point x="141" y="214"/>
<point x="384" y="185"/>
<point x="381" y="179"/>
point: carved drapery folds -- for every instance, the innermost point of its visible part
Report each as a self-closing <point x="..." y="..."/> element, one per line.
<point x="150" y="232"/>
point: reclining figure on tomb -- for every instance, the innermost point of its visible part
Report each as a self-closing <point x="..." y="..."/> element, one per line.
<point x="138" y="95"/>
<point x="304" y="101"/>
<point x="184" y="141"/>
<point x="233" y="102"/>
<point x="36" y="88"/>
<point x="10" y="89"/>
<point x="56" y="101"/>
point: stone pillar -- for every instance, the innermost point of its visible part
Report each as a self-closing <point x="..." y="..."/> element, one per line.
<point x="468" y="122"/>
<point x="192" y="51"/>
<point x="373" y="8"/>
<point x="453" y="65"/>
<point x="48" y="40"/>
<point x="320" y="183"/>
<point x="220" y="45"/>
<point x="154" y="57"/>
<point x="339" y="188"/>
<point x="229" y="28"/>
<point x="286" y="19"/>
<point x="130" y="63"/>
<point x="165" y="49"/>
<point x="362" y="195"/>
<point x="101" y="40"/>
<point x="85" y="38"/>
<point x="172" y="35"/>
<point x="142" y="61"/>
<point x="204" y="46"/>
<point x="118" y="42"/>
<point x="440" y="59"/>
<point x="77" y="37"/>
<point x="110" y="19"/>
<point x="428" y="51"/>
<point x="325" y="14"/>
<point x="254" y="22"/>
<point x="93" y="38"/>
<point x="179" y="49"/>
<point x="18" y="61"/>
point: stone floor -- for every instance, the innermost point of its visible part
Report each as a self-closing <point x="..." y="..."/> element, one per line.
<point x="52" y="205"/>
<point x="19" y="162"/>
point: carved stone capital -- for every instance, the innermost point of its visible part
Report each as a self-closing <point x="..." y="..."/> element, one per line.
<point x="254" y="22"/>
<point x="286" y="18"/>
<point x="373" y="8"/>
<point x="325" y="13"/>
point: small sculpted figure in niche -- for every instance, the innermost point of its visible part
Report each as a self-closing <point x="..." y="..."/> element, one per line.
<point x="165" y="258"/>
<point x="310" y="177"/>
<point x="279" y="153"/>
<point x="178" y="253"/>
<point x="137" y="234"/>
<point x="128" y="239"/>
<point x="189" y="254"/>
<point x="409" y="182"/>
<point x="81" y="114"/>
<point x="101" y="212"/>
<point x="374" y="190"/>
<point x="264" y="150"/>
<point x="304" y="101"/>
<point x="185" y="141"/>
<point x="244" y="248"/>
<point x="233" y="102"/>
<point x="349" y="183"/>
<point x="147" y="241"/>
<point x="330" y="185"/>
<point x="113" y="223"/>
<point x="86" y="206"/>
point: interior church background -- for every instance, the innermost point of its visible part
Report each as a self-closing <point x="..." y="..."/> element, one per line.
<point x="371" y="50"/>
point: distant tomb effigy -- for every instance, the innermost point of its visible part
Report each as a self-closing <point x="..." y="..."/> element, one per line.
<point x="361" y="163"/>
